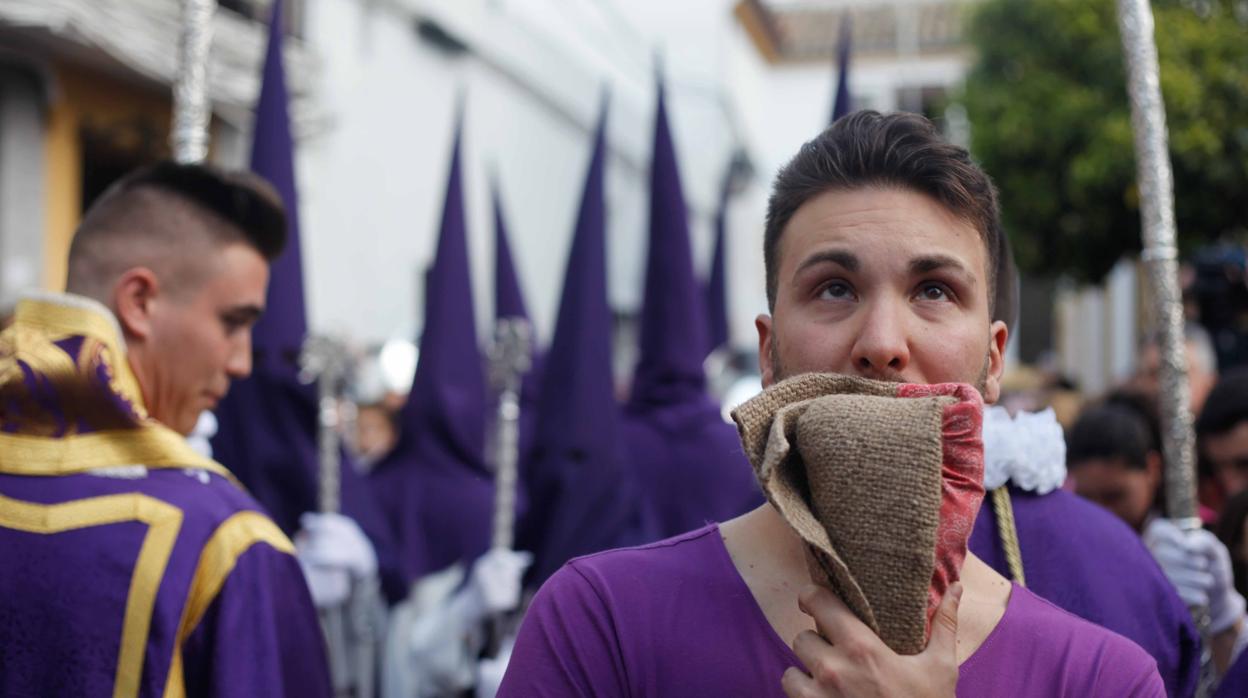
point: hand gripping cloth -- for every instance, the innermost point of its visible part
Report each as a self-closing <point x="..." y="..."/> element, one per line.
<point x="881" y="480"/>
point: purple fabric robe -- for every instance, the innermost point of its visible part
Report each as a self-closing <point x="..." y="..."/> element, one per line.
<point x="151" y="577"/>
<point x="582" y="497"/>
<point x="509" y="303"/>
<point x="63" y="597"/>
<point x="716" y="292"/>
<point x="688" y="460"/>
<point x="278" y="335"/>
<point x="1235" y="683"/>
<point x="267" y="437"/>
<point x="435" y="488"/>
<point x="1084" y="559"/>
<point x="268" y="423"/>
<point x="842" y="102"/>
<point x="674" y="618"/>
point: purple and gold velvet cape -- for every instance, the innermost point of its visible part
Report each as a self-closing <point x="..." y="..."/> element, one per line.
<point x="132" y="566"/>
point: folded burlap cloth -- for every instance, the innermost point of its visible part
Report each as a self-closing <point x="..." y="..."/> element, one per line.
<point x="881" y="480"/>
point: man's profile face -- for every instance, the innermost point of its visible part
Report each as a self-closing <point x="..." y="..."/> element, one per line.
<point x="883" y="283"/>
<point x="1228" y="454"/>
<point x="1200" y="380"/>
<point x="375" y="433"/>
<point x="200" y="338"/>
<point x="1127" y="492"/>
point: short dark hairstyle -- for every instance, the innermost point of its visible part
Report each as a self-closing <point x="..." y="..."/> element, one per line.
<point x="1005" y="305"/>
<point x="903" y="150"/>
<point x="162" y="216"/>
<point x="242" y="199"/>
<point x="1112" y="429"/>
<point x="1227" y="404"/>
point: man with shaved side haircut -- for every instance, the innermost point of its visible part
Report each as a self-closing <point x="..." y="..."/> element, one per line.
<point x="134" y="566"/>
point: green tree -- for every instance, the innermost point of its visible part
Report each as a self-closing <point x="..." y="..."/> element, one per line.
<point x="1050" y="122"/>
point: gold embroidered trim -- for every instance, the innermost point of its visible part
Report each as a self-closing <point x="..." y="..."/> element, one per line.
<point x="163" y="523"/>
<point x="58" y="321"/>
<point x="152" y="446"/>
<point x="231" y="539"/>
<point x="38" y="324"/>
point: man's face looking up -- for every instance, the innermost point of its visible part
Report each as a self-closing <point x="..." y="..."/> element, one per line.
<point x="884" y="283"/>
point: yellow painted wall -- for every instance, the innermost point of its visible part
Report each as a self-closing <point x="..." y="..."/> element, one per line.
<point x="83" y="98"/>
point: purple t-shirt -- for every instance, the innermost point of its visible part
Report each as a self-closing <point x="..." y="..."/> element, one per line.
<point x="675" y="618"/>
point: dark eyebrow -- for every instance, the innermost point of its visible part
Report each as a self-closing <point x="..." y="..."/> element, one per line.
<point x="843" y="258"/>
<point x="244" y="313"/>
<point x="930" y="263"/>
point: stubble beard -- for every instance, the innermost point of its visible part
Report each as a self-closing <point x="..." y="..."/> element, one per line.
<point x="778" y="373"/>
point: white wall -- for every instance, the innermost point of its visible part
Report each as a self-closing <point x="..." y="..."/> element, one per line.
<point x="21" y="185"/>
<point x="372" y="175"/>
<point x="372" y="181"/>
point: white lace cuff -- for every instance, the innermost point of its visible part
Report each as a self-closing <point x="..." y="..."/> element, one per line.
<point x="1028" y="450"/>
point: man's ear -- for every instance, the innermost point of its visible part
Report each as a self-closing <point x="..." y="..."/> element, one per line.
<point x="763" y="324"/>
<point x="998" y="335"/>
<point x="133" y="295"/>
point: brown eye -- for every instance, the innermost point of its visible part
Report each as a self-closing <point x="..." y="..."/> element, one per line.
<point x="933" y="292"/>
<point x="837" y="290"/>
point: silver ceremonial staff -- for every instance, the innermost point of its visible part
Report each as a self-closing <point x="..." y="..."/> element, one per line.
<point x="192" y="109"/>
<point x="351" y="629"/>
<point x="1161" y="257"/>
<point x="1152" y="164"/>
<point x="325" y="361"/>
<point x="510" y="358"/>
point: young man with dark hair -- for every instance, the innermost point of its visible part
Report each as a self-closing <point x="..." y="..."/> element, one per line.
<point x="1114" y="461"/>
<point x="1114" y="457"/>
<point x="1066" y="549"/>
<point x="1222" y="431"/>
<point x="134" y="566"/>
<point x="881" y="247"/>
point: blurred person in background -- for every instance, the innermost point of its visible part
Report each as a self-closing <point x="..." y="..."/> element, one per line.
<point x="100" y="491"/>
<point x="1231" y="530"/>
<point x="1114" y="459"/>
<point x="1222" y="433"/>
<point x="376" y="432"/>
<point x="1202" y="366"/>
<point x="1070" y="552"/>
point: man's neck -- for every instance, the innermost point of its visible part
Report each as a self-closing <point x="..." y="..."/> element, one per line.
<point x="771" y="560"/>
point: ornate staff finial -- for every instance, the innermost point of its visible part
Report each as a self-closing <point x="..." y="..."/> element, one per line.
<point x="325" y="361"/>
<point x="192" y="109"/>
<point x="510" y="357"/>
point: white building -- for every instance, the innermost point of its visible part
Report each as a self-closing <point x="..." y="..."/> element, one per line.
<point x="84" y="95"/>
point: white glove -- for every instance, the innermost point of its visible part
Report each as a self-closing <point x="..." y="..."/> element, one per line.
<point x="200" y="437"/>
<point x="1199" y="566"/>
<point x="496" y="580"/>
<point x="332" y="551"/>
<point x="490" y="670"/>
<point x="445" y="632"/>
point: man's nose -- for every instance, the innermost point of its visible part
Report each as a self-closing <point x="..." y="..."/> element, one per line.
<point x="239" y="364"/>
<point x="882" y="348"/>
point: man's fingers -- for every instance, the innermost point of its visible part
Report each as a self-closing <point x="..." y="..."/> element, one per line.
<point x="944" y="638"/>
<point x="811" y="648"/>
<point x="833" y="618"/>
<point x="797" y="684"/>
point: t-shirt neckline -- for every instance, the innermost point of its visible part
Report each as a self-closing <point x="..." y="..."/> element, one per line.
<point x="760" y="618"/>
